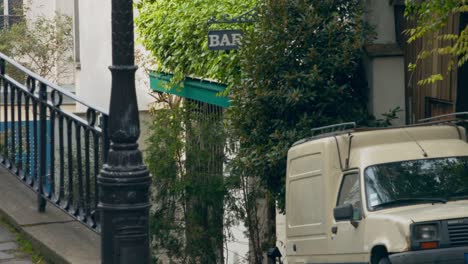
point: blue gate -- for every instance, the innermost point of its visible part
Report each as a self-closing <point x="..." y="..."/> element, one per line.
<point x="30" y="162"/>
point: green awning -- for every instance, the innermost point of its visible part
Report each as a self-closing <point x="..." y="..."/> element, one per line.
<point x="196" y="89"/>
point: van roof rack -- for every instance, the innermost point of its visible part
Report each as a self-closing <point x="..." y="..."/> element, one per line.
<point x="453" y="115"/>
<point x="334" y="128"/>
<point x="327" y="131"/>
<point x="349" y="127"/>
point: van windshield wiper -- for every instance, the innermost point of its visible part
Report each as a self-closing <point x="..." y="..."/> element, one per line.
<point x="408" y="201"/>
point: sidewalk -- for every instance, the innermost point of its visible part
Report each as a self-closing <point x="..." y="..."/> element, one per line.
<point x="9" y="249"/>
<point x="59" y="238"/>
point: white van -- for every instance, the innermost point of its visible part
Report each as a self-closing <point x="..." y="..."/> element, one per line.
<point x="394" y="195"/>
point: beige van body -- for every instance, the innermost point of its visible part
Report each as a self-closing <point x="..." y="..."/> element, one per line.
<point x="316" y="170"/>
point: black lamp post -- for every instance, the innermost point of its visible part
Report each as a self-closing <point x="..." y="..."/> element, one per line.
<point x="124" y="181"/>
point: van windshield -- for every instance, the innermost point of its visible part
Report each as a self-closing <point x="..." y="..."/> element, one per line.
<point x="416" y="181"/>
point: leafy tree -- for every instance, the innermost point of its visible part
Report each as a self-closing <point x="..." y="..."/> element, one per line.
<point x="301" y="69"/>
<point x="187" y="217"/>
<point x="43" y="45"/>
<point x="430" y="17"/>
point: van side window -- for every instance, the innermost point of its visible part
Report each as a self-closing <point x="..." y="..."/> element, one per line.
<point x="350" y="193"/>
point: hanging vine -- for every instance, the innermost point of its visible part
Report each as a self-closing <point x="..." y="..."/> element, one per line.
<point x="186" y="157"/>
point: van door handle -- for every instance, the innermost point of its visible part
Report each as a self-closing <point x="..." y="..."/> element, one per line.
<point x="334" y="229"/>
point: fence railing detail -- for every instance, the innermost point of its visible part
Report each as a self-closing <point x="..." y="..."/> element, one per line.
<point x="56" y="152"/>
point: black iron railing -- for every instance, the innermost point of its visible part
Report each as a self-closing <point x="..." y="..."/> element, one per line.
<point x="56" y="152"/>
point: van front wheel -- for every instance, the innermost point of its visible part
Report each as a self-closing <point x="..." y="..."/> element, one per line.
<point x="384" y="260"/>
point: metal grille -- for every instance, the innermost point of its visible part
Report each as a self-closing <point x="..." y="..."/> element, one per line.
<point x="54" y="151"/>
<point x="458" y="233"/>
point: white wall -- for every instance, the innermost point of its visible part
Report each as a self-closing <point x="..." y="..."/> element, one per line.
<point x="95" y="50"/>
<point x="238" y="247"/>
<point x="36" y="8"/>
<point x="48" y="8"/>
<point x="385" y="74"/>
<point x="64" y="7"/>
<point x="96" y="56"/>
<point x="387" y="90"/>
<point x="380" y="14"/>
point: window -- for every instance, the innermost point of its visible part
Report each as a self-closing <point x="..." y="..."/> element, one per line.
<point x="350" y="193"/>
<point x="2" y="13"/>
<point x="11" y="12"/>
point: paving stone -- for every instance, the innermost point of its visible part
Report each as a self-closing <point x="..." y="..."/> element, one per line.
<point x="18" y="262"/>
<point x="4" y="256"/>
<point x="8" y="246"/>
<point x="60" y="238"/>
<point x="5" y="234"/>
<point x="9" y="250"/>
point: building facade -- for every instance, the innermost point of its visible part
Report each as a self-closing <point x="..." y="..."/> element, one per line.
<point x="390" y="81"/>
<point x="93" y="54"/>
<point x="385" y="63"/>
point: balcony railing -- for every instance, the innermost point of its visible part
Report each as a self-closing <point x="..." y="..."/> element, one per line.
<point x="56" y="152"/>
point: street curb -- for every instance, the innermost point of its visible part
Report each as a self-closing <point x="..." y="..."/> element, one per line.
<point x="58" y="237"/>
<point x="49" y="255"/>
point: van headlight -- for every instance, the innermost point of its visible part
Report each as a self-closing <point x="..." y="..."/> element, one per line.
<point x="425" y="236"/>
<point x="426" y="232"/>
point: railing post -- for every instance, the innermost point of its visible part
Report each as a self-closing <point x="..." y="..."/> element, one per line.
<point x="105" y="137"/>
<point x="2" y="66"/>
<point x="41" y="202"/>
<point x="124" y="181"/>
<point x="5" y="112"/>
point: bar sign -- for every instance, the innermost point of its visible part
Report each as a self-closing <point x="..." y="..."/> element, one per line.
<point x="224" y="39"/>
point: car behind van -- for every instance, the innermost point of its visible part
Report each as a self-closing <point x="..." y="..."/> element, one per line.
<point x="393" y="195"/>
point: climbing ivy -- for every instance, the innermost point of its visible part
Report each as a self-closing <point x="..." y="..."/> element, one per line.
<point x="185" y="157"/>
<point x="176" y="31"/>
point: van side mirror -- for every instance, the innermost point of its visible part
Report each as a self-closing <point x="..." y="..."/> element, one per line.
<point x="343" y="212"/>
